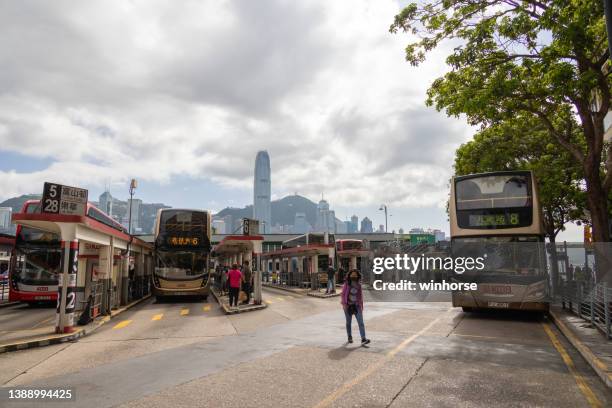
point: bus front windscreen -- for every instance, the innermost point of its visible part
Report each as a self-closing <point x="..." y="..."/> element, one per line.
<point x="38" y="265"/>
<point x="503" y="256"/>
<point x="494" y="202"/>
<point x="38" y="257"/>
<point x="180" y="264"/>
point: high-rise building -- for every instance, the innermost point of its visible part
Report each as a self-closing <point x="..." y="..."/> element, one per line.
<point x="341" y="227"/>
<point x="354" y="225"/>
<point x="300" y="224"/>
<point x="366" y="225"/>
<point x="348" y="227"/>
<point x="326" y="218"/>
<point x="262" y="209"/>
<point x="105" y="202"/>
<point x="5" y="218"/>
<point x="136" y="203"/>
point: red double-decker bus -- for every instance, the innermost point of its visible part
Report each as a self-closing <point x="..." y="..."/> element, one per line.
<point x="36" y="258"/>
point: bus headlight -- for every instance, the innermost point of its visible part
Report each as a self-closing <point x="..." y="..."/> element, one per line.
<point x="536" y="291"/>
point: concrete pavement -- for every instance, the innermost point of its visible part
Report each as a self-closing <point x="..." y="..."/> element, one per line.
<point x="294" y="354"/>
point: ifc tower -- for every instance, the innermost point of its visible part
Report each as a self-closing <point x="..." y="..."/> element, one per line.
<point x="261" y="192"/>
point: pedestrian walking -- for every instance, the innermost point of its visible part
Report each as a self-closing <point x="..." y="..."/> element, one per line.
<point x="247" y="282"/>
<point x="331" y="282"/>
<point x="234" y="276"/>
<point x="352" y="303"/>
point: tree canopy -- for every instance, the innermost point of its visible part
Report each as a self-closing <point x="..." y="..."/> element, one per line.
<point x="538" y="59"/>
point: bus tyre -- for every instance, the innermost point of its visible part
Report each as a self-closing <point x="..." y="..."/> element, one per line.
<point x="158" y="299"/>
<point x="204" y="298"/>
<point x="467" y="309"/>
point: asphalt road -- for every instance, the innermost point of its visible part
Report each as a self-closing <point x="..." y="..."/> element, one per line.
<point x="294" y="353"/>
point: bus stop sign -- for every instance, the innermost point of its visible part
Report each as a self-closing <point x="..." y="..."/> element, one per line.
<point x="65" y="200"/>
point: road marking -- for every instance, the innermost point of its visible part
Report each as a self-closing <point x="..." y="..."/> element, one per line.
<point x="582" y="384"/>
<point x="269" y="302"/>
<point x="184" y="312"/>
<point x="122" y="324"/>
<point x="206" y="308"/>
<point x="44" y="321"/>
<point x="346" y="387"/>
<point x="158" y="316"/>
<point x="279" y="298"/>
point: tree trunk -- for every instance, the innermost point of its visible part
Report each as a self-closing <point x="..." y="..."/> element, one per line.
<point x="597" y="200"/>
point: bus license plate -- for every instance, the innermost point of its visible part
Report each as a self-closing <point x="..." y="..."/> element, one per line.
<point x="42" y="297"/>
<point x="498" y="304"/>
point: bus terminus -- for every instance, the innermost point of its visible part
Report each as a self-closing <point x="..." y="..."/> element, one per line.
<point x="36" y="259"/>
<point x="497" y="216"/>
<point x="182" y="251"/>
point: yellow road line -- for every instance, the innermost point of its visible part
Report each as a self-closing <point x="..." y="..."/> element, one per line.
<point x="184" y="312"/>
<point x="346" y="387"/>
<point x="580" y="381"/>
<point x="158" y="316"/>
<point x="122" y="324"/>
<point x="43" y="321"/>
<point x="206" y="308"/>
<point x="269" y="302"/>
<point x="280" y="298"/>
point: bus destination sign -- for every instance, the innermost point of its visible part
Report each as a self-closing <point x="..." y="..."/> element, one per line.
<point x="183" y="241"/>
<point x="494" y="221"/>
<point x="65" y="200"/>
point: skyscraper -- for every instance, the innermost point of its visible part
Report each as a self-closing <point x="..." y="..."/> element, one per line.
<point x="5" y="218"/>
<point x="354" y="224"/>
<point x="106" y="202"/>
<point x="326" y="218"/>
<point x="261" y="192"/>
<point x="366" y="225"/>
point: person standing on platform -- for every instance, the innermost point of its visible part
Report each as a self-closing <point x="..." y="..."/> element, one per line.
<point x="352" y="303"/>
<point x="247" y="282"/>
<point x="234" y="277"/>
<point x="331" y="280"/>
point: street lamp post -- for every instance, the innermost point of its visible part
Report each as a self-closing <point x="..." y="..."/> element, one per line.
<point x="133" y="185"/>
<point x="384" y="207"/>
<point x="126" y="289"/>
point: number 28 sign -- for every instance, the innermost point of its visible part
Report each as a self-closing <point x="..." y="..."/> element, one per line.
<point x="65" y="200"/>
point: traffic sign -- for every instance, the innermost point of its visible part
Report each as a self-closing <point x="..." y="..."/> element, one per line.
<point x="65" y="200"/>
<point x="250" y="226"/>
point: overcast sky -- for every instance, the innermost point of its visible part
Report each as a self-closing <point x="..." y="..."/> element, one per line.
<point x="181" y="96"/>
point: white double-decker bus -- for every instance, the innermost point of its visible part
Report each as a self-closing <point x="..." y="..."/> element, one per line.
<point x="497" y="216"/>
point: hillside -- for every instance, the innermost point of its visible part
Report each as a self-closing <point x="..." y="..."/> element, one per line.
<point x="17" y="202"/>
<point x="283" y="210"/>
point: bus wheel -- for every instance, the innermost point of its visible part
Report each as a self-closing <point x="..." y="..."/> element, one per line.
<point x="158" y="299"/>
<point x="467" y="309"/>
<point x="204" y="298"/>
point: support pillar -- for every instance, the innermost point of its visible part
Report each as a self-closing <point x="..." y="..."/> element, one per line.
<point x="66" y="300"/>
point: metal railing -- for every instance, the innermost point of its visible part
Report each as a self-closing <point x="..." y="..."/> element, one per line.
<point x="590" y="302"/>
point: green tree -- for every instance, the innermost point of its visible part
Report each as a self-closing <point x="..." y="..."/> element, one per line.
<point x="540" y="59"/>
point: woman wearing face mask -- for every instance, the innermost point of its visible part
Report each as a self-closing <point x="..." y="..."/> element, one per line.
<point x="352" y="302"/>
